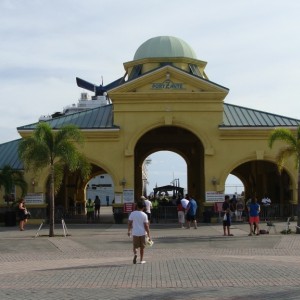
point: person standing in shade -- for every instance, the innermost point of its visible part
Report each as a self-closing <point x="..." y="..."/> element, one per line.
<point x="138" y="226"/>
<point x="148" y="207"/>
<point x="97" y="203"/>
<point x="226" y="216"/>
<point x="239" y="210"/>
<point x="266" y="202"/>
<point x="155" y="210"/>
<point x="190" y="212"/>
<point x="89" y="211"/>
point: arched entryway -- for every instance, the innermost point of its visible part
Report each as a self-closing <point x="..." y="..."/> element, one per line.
<point x="70" y="199"/>
<point x="180" y="141"/>
<point x="262" y="178"/>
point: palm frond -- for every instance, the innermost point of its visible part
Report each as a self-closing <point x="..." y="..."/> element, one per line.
<point x="84" y="166"/>
<point x="58" y="175"/>
<point x="282" y="155"/>
<point x="70" y="133"/>
<point x="9" y="178"/>
<point x="291" y="148"/>
<point x="34" y="154"/>
<point x="56" y="151"/>
<point x="284" y="135"/>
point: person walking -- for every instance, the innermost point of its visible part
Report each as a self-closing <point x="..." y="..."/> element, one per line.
<point x="97" y="203"/>
<point x="254" y="210"/>
<point x="190" y="212"/>
<point x="138" y="226"/>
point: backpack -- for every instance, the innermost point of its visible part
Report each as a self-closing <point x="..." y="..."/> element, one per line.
<point x="263" y="231"/>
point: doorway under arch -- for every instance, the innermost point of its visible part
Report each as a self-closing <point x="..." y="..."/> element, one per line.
<point x="234" y="185"/>
<point x="165" y="168"/>
<point x="263" y="177"/>
<point x="177" y="140"/>
<point x="72" y="194"/>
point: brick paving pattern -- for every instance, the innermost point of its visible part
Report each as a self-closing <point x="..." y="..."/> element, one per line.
<point x="95" y="262"/>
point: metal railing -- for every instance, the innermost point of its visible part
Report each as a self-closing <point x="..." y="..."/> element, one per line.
<point x="278" y="211"/>
<point x="167" y="214"/>
<point x="164" y="214"/>
<point x="273" y="212"/>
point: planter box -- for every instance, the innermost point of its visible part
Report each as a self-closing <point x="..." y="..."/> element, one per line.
<point x="214" y="219"/>
<point x="10" y="218"/>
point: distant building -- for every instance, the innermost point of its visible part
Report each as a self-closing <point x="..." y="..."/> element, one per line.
<point x="102" y="186"/>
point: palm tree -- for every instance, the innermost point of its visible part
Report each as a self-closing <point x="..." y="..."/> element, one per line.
<point x="292" y="148"/>
<point x="54" y="151"/>
<point x="9" y="178"/>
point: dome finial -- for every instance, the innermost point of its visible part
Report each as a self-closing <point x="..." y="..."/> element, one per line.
<point x="164" y="46"/>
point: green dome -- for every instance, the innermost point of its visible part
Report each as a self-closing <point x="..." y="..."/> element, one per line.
<point x="164" y="46"/>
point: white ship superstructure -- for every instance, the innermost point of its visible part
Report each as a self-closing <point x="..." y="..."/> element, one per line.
<point x="85" y="102"/>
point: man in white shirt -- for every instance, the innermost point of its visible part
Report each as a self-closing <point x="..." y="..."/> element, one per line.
<point x="266" y="202"/>
<point x="138" y="225"/>
<point x="148" y="207"/>
<point x="185" y="201"/>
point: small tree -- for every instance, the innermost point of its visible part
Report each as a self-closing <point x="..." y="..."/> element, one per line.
<point x="54" y="151"/>
<point x="292" y="148"/>
<point x="9" y="178"/>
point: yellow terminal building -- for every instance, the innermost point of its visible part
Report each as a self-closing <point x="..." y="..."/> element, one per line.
<point x="165" y="101"/>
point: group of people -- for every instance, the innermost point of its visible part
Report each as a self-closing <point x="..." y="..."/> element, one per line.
<point x="187" y="209"/>
<point x="93" y="209"/>
<point x="139" y="219"/>
<point x="252" y="211"/>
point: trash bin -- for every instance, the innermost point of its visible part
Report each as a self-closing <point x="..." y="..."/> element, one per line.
<point x="207" y="216"/>
<point x="10" y="218"/>
<point x="118" y="215"/>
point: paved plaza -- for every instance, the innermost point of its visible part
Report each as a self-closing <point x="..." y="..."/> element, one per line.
<point x="95" y="262"/>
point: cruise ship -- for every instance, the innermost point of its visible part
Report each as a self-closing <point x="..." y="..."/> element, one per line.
<point x="84" y="102"/>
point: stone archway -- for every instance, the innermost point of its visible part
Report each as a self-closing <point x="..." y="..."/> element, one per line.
<point x="180" y="141"/>
<point x="71" y="195"/>
<point x="262" y="178"/>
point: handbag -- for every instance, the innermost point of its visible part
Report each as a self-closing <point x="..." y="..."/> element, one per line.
<point x="149" y="242"/>
<point x="27" y="213"/>
<point x="225" y="217"/>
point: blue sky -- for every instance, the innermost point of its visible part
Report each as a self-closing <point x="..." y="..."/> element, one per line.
<point x="252" y="48"/>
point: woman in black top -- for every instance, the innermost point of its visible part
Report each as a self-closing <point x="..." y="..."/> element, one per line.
<point x="22" y="214"/>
